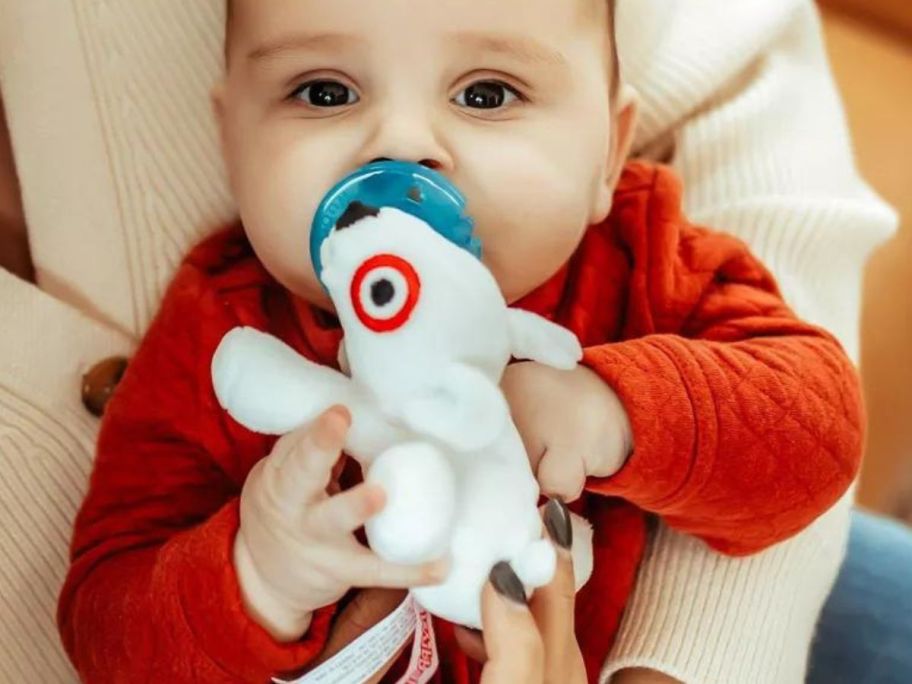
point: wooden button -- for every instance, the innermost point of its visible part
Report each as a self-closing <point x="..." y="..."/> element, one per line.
<point x="99" y="383"/>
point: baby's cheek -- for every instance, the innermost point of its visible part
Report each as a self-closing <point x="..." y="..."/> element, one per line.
<point x="285" y="183"/>
<point x="281" y="187"/>
<point x="529" y="235"/>
<point x="286" y="255"/>
<point x="526" y="262"/>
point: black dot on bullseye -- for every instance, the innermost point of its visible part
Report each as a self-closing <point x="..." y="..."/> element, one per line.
<point x="382" y="292"/>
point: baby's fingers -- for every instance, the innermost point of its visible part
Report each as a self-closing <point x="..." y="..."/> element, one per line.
<point x="300" y="467"/>
<point x="561" y="473"/>
<point x="367" y="569"/>
<point x="344" y="513"/>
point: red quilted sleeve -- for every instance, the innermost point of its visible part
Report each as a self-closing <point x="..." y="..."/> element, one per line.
<point x="151" y="594"/>
<point x="747" y="422"/>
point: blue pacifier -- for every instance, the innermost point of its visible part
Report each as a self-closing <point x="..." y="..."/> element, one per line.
<point x="409" y="187"/>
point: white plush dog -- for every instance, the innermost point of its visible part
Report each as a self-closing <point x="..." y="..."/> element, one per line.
<point x="427" y="338"/>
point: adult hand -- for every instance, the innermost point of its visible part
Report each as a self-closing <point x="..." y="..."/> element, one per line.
<point x="530" y="641"/>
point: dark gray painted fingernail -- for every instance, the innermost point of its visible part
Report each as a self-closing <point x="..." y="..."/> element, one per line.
<point x="507" y="584"/>
<point x="557" y="522"/>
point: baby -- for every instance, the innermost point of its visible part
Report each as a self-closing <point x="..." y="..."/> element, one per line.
<point x="206" y="553"/>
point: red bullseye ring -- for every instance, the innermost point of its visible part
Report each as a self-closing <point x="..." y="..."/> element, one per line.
<point x="384" y="292"/>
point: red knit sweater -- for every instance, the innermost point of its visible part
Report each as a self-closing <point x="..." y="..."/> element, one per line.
<point x="747" y="424"/>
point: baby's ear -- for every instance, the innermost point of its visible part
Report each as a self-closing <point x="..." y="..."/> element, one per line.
<point x="533" y="338"/>
<point x="627" y="114"/>
<point x="624" y="117"/>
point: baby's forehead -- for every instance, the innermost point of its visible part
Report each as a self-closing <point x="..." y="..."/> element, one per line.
<point x="250" y="22"/>
<point x="599" y="12"/>
<point x="590" y="5"/>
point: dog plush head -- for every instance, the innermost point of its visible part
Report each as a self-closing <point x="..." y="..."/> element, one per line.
<point x="409" y="300"/>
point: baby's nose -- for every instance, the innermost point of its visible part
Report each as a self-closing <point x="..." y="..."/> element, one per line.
<point x="429" y="163"/>
<point x="406" y="134"/>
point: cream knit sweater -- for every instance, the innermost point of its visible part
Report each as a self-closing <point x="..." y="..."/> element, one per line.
<point x="118" y="160"/>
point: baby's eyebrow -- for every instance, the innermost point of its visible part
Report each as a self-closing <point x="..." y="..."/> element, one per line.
<point x="520" y="47"/>
<point x="302" y="42"/>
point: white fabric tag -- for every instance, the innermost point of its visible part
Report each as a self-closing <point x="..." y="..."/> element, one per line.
<point x="363" y="658"/>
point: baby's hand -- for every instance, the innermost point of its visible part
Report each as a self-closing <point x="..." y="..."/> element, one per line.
<point x="295" y="551"/>
<point x="572" y="423"/>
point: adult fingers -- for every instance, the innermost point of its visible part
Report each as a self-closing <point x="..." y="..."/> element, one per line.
<point x="553" y="605"/>
<point x="514" y="646"/>
<point x="301" y="466"/>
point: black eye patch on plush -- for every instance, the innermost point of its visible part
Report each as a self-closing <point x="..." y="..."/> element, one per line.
<point x="354" y="213"/>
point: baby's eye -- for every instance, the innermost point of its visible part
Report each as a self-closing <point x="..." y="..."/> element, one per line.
<point x="487" y="95"/>
<point x="325" y="94"/>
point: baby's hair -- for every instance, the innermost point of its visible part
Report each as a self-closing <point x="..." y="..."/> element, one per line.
<point x="615" y="61"/>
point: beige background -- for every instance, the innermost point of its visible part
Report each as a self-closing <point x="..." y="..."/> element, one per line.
<point x="870" y="45"/>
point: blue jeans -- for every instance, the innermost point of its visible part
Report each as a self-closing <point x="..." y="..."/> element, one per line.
<point x="865" y="632"/>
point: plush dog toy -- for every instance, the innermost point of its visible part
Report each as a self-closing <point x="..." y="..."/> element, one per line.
<point x="427" y="338"/>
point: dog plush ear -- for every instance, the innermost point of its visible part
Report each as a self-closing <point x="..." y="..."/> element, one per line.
<point x="533" y="338"/>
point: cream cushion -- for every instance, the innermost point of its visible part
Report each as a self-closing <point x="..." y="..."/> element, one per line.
<point x="118" y="160"/>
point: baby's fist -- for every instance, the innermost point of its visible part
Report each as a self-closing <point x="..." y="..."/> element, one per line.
<point x="572" y="424"/>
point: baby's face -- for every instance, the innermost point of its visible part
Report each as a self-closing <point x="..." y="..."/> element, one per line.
<point x="509" y="99"/>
